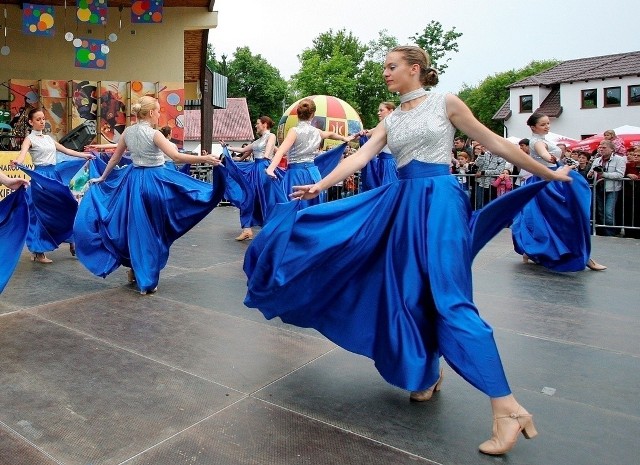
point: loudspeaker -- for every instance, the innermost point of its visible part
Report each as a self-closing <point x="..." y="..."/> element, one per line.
<point x="80" y="136"/>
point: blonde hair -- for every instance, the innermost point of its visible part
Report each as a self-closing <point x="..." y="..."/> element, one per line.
<point x="144" y="106"/>
<point x="416" y="56"/>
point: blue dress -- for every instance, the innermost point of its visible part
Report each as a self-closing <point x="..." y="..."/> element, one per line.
<point x="134" y="216"/>
<point x="553" y="229"/>
<point x="52" y="207"/>
<point x="14" y="223"/>
<point x="387" y="273"/>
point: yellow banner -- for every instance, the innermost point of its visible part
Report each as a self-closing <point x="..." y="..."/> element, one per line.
<point x="11" y="171"/>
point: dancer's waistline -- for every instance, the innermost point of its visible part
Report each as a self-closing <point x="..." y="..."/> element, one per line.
<point x="300" y="166"/>
<point x="419" y="169"/>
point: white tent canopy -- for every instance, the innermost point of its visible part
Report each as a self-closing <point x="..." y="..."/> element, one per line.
<point x="627" y="129"/>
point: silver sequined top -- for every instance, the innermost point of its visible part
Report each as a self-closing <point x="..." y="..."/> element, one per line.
<point x="423" y="133"/>
<point x="306" y="146"/>
<point x="42" y="150"/>
<point x="259" y="145"/>
<point x="552" y="148"/>
<point x="139" y="141"/>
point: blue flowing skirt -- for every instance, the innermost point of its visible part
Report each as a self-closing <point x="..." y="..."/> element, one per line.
<point x="386" y="274"/>
<point x="379" y="171"/>
<point x="52" y="207"/>
<point x="264" y="190"/>
<point x="301" y="174"/>
<point x="134" y="216"/>
<point x="14" y="224"/>
<point x="554" y="228"/>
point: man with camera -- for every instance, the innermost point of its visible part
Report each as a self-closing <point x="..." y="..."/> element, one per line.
<point x="607" y="169"/>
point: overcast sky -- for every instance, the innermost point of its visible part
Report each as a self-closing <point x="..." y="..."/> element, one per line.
<point x="498" y="35"/>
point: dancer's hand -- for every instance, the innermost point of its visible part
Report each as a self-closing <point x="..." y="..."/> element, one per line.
<point x="308" y="192"/>
<point x="96" y="180"/>
<point x="561" y="174"/>
<point x="15" y="183"/>
<point x="88" y="156"/>
<point x="211" y="160"/>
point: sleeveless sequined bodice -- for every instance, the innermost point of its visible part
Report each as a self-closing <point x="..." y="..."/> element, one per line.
<point x="139" y="141"/>
<point x="423" y="133"/>
<point x="552" y="148"/>
<point x="259" y="145"/>
<point x="306" y="146"/>
<point x="42" y="150"/>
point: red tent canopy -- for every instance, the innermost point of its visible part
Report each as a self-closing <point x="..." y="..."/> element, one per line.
<point x="591" y="143"/>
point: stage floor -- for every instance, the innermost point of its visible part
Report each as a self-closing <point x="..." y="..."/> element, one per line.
<point x="93" y="373"/>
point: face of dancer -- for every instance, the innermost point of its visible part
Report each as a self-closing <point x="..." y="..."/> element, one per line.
<point x="38" y="121"/>
<point x="154" y="115"/>
<point x="383" y="111"/>
<point x="259" y="126"/>
<point x="399" y="75"/>
<point x="542" y="126"/>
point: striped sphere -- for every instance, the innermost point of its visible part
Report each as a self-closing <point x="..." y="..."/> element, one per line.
<point x="332" y="114"/>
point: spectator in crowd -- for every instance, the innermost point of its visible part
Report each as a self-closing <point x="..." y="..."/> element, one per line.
<point x="607" y="170"/>
<point x="523" y="175"/>
<point x="460" y="145"/>
<point x="631" y="199"/>
<point x="618" y="143"/>
<point x="489" y="167"/>
<point x="463" y="167"/>
<point x="584" y="164"/>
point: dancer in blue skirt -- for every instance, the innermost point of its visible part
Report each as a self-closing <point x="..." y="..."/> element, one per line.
<point x="14" y="222"/>
<point x="302" y="145"/>
<point x="132" y="215"/>
<point x="52" y="207"/>
<point x="257" y="179"/>
<point x="387" y="273"/>
<point x="554" y="229"/>
<point x="382" y="169"/>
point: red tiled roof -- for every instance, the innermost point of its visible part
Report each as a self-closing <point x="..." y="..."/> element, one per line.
<point x="504" y="113"/>
<point x="582" y="69"/>
<point x="229" y="124"/>
<point x="550" y="106"/>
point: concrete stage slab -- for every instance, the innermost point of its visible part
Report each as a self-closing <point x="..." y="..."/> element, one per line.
<point x="93" y="373"/>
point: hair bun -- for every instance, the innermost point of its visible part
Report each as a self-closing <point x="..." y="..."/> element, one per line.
<point x="136" y="107"/>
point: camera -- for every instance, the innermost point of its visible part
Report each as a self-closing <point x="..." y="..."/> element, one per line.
<point x="597" y="169"/>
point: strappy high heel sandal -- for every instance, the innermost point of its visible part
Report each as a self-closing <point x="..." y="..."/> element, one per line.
<point x="595" y="266"/>
<point x="423" y="396"/>
<point x="506" y="429"/>
<point x="244" y="236"/>
<point x="72" y="249"/>
<point x="40" y="258"/>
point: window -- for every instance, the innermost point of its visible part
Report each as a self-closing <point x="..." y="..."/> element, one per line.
<point x="589" y="98"/>
<point x="634" y="95"/>
<point x="612" y="96"/>
<point x="526" y="103"/>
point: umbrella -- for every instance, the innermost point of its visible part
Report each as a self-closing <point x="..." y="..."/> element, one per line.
<point x="591" y="143"/>
<point x="332" y="114"/>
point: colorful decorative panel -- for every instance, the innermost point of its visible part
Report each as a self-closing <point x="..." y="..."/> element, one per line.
<point x="55" y="112"/>
<point x="53" y="88"/>
<point x="137" y="90"/>
<point x="88" y="53"/>
<point x="171" y="98"/>
<point x="146" y="11"/>
<point x="38" y="20"/>
<point x="84" y="102"/>
<point x="92" y="11"/>
<point x="112" y="111"/>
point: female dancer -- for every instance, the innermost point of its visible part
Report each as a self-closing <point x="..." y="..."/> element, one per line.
<point x="131" y="216"/>
<point x="407" y="246"/>
<point x="382" y="169"/>
<point x="301" y="145"/>
<point x="264" y="199"/>
<point x="48" y="229"/>
<point x="553" y="230"/>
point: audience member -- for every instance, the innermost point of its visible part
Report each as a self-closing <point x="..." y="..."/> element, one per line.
<point x="607" y="170"/>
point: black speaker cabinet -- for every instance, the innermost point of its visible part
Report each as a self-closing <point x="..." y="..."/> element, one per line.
<point x="80" y="136"/>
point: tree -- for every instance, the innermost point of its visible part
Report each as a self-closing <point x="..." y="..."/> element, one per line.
<point x="252" y="77"/>
<point x="487" y="98"/>
<point x="438" y="43"/>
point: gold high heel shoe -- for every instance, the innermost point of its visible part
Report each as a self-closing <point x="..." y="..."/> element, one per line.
<point x="505" y="432"/>
<point x="423" y="396"/>
<point x="593" y="265"/>
<point x="244" y="236"/>
<point x="40" y="258"/>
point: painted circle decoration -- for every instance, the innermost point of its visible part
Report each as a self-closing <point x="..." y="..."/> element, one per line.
<point x="332" y="114"/>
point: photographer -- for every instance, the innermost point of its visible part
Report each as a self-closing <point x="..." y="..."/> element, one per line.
<point x="611" y="168"/>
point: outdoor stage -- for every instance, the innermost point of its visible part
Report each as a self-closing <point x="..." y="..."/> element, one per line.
<point x="93" y="373"/>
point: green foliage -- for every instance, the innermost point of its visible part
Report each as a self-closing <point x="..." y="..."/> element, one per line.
<point x="486" y="99"/>
<point x="339" y="64"/>
<point x="438" y="42"/>
<point x="252" y="77"/>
